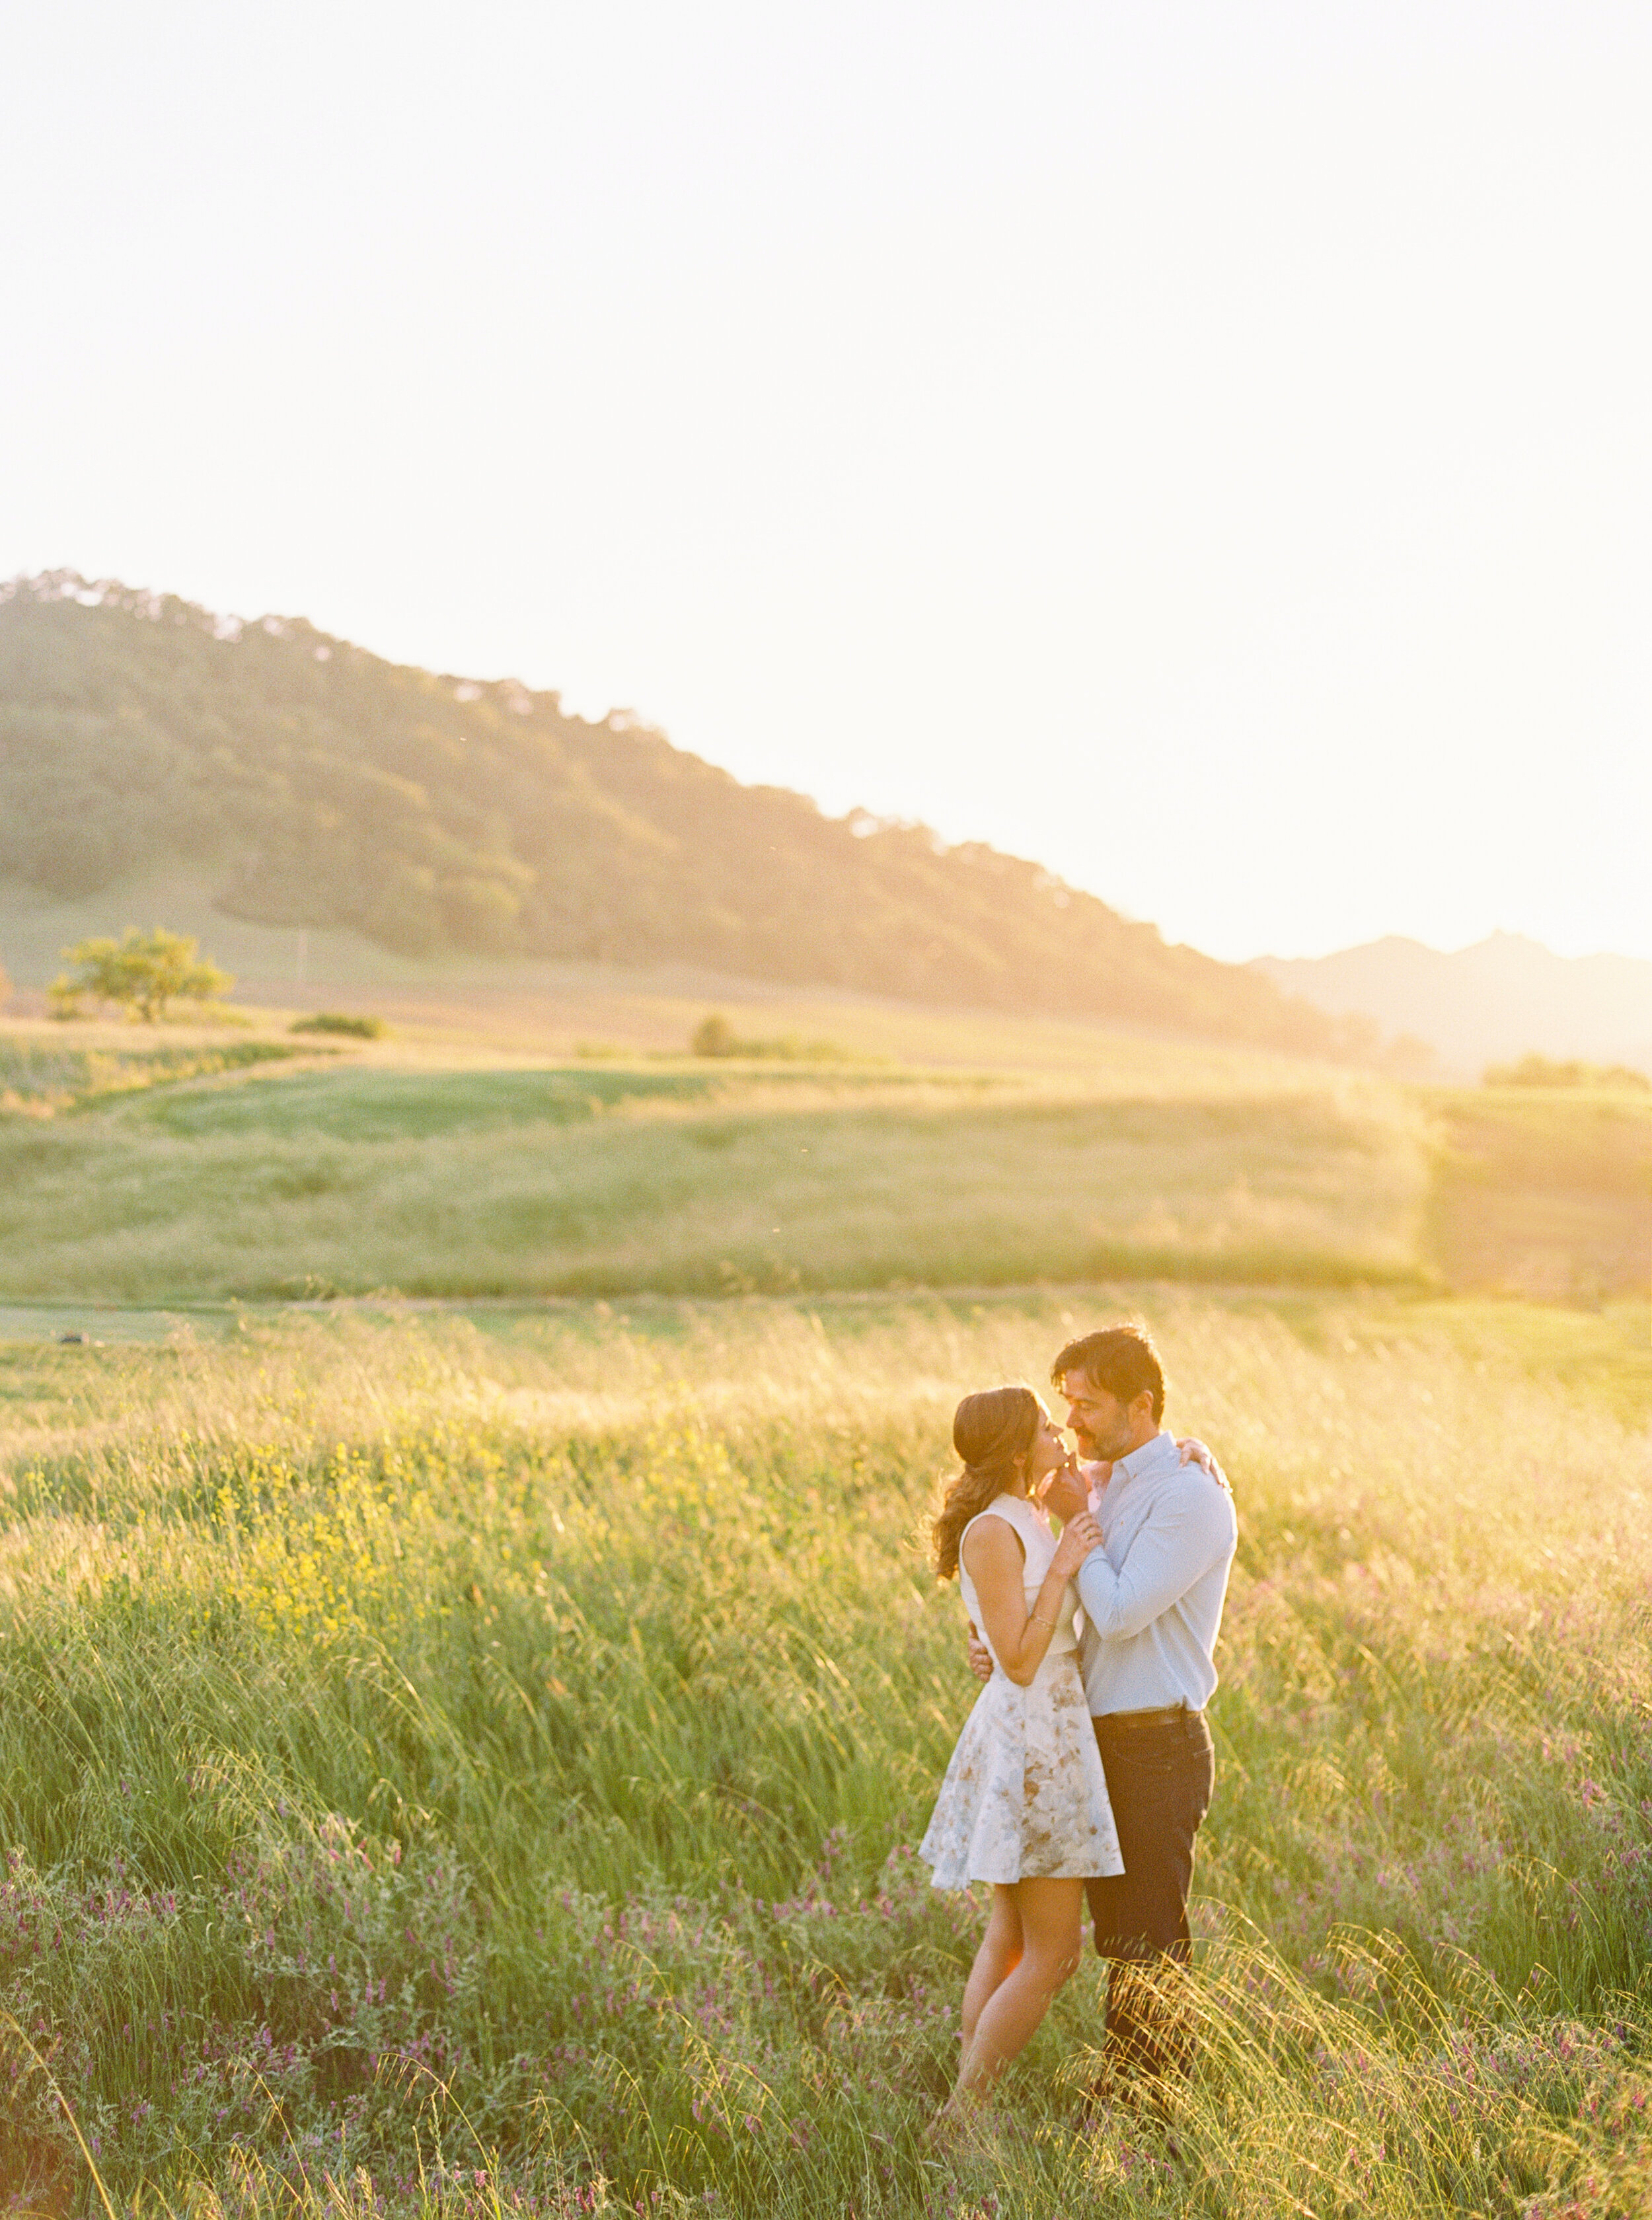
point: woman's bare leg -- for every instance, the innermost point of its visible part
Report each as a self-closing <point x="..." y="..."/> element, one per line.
<point x="998" y="1955"/>
<point x="1048" y="1913"/>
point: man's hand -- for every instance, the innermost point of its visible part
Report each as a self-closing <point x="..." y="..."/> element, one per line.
<point x="981" y="1658"/>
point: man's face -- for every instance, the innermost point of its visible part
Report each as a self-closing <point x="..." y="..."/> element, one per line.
<point x="1105" y="1428"/>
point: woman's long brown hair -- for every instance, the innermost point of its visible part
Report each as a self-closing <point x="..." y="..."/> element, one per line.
<point x="989" y="1431"/>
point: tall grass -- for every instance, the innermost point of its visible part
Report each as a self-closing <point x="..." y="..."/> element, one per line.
<point x="464" y="1772"/>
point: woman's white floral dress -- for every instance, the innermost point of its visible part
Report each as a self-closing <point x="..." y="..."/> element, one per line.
<point x="1024" y="1796"/>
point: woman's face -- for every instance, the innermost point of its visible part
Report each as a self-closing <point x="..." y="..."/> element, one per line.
<point x="1047" y="1454"/>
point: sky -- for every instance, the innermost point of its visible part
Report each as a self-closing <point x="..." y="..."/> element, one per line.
<point x="1207" y="448"/>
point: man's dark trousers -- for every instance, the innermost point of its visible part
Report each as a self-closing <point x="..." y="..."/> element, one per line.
<point x="1160" y="1771"/>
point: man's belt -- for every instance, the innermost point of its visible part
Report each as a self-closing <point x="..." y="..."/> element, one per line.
<point x="1167" y="1715"/>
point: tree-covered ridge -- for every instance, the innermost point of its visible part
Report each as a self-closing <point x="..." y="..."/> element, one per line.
<point x="324" y="785"/>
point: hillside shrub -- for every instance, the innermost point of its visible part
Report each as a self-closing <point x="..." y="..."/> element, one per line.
<point x="338" y="1021"/>
<point x="714" y="1036"/>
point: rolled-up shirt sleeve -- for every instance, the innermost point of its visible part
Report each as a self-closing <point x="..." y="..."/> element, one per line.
<point x="1186" y="1535"/>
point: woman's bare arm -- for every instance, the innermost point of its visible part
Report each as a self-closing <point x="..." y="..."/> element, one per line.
<point x="995" y="1560"/>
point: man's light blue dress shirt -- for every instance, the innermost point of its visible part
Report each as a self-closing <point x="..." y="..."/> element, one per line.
<point x="1153" y="1592"/>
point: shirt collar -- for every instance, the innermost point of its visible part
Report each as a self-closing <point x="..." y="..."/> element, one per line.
<point x="1143" y="1459"/>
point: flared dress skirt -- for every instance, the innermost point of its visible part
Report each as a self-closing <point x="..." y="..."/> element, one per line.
<point x="1024" y="1796"/>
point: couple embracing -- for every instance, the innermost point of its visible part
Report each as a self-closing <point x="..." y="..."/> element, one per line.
<point x="1087" y="1766"/>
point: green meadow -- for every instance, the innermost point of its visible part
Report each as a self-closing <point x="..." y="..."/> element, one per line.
<point x="464" y="1756"/>
<point x="206" y="1171"/>
<point x="603" y="1182"/>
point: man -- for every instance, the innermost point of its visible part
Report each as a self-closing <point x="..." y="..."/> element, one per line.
<point x="1152" y="1595"/>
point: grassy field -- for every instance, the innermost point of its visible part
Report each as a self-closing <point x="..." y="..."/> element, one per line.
<point x="1545" y="1190"/>
<point x="685" y="1176"/>
<point x="42" y="1075"/>
<point x="471" y="1766"/>
<point x="470" y="1763"/>
<point x="148" y="1171"/>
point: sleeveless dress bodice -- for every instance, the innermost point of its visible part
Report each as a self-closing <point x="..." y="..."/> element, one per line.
<point x="1039" y="1545"/>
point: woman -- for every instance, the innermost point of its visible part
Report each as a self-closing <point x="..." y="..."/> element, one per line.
<point x="1024" y="1802"/>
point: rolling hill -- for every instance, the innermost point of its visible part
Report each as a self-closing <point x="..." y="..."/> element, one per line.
<point x="1496" y="1001"/>
<point x="315" y="784"/>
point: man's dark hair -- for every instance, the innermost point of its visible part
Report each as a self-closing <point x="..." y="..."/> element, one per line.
<point x="1121" y="1358"/>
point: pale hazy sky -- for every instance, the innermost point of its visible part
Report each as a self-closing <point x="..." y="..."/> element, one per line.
<point x="1208" y="447"/>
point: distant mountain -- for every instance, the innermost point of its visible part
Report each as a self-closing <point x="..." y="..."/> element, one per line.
<point x="314" y="784"/>
<point x="1496" y="1001"/>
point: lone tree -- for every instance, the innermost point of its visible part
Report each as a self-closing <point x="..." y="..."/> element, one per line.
<point x="143" y="971"/>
